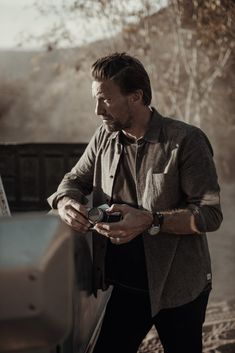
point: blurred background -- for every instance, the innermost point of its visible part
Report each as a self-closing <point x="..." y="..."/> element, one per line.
<point x="187" y="47"/>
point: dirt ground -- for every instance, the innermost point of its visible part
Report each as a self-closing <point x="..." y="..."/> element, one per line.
<point x="218" y="332"/>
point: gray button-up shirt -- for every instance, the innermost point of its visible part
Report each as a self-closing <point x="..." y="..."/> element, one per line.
<point x="176" y="170"/>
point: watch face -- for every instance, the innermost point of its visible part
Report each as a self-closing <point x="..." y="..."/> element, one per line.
<point x="154" y="230"/>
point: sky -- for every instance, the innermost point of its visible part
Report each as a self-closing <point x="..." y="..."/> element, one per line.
<point x="19" y="19"/>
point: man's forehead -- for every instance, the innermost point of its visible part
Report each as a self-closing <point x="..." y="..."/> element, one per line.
<point x="98" y="87"/>
<point x="104" y="87"/>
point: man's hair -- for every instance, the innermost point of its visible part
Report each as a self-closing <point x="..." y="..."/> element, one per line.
<point x="126" y="71"/>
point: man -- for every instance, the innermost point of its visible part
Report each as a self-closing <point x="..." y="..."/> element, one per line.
<point x="159" y="174"/>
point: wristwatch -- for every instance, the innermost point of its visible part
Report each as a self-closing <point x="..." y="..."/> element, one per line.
<point x="158" y="219"/>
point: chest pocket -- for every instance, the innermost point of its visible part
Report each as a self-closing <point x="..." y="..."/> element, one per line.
<point x="165" y="181"/>
<point x="167" y="164"/>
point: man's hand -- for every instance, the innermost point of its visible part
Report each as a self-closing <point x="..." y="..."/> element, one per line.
<point x="74" y="214"/>
<point x="134" y="222"/>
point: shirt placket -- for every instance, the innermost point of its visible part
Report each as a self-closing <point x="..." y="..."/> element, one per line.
<point x="113" y="168"/>
<point x="138" y="158"/>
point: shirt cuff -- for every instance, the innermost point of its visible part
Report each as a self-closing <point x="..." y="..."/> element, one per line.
<point x="73" y="194"/>
<point x="199" y="219"/>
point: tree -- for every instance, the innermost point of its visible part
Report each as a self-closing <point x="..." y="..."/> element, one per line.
<point x="206" y="38"/>
<point x="202" y="45"/>
<point x="187" y="47"/>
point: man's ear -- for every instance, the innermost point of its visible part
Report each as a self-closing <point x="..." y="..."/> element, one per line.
<point x="137" y="96"/>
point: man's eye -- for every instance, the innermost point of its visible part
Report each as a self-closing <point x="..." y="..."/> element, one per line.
<point x="107" y="100"/>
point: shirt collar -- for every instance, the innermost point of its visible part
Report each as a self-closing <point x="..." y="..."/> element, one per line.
<point x="153" y="132"/>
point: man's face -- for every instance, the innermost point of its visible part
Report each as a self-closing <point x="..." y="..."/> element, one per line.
<point x="112" y="106"/>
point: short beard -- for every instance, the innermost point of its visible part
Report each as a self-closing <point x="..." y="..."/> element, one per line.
<point x="118" y="126"/>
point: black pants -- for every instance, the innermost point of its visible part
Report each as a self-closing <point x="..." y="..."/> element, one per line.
<point x="128" y="319"/>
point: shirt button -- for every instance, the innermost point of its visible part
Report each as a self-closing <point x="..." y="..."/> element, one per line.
<point x="111" y="176"/>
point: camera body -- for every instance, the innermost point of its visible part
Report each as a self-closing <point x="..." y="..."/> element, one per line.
<point x="99" y="214"/>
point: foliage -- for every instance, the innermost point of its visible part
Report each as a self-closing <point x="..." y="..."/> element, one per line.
<point x="187" y="47"/>
<point x="205" y="36"/>
<point x="200" y="49"/>
<point x="94" y="18"/>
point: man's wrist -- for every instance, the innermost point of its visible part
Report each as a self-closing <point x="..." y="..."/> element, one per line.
<point x="158" y="220"/>
<point x="62" y="200"/>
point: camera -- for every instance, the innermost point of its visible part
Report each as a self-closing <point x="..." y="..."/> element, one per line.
<point x="99" y="214"/>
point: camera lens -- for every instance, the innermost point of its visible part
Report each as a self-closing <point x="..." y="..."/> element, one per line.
<point x="95" y="215"/>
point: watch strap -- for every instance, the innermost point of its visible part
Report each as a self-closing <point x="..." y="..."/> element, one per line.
<point x="158" y="218"/>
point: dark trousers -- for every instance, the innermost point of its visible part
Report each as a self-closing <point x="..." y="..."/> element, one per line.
<point x="128" y="319"/>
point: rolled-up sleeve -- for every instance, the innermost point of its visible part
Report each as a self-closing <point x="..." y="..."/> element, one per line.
<point x="199" y="181"/>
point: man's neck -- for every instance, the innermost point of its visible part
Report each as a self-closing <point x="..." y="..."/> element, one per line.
<point x="140" y="126"/>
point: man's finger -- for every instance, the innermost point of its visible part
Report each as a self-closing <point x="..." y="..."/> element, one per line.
<point x="110" y="229"/>
<point x="78" y="217"/>
<point x="115" y="208"/>
<point x="79" y="208"/>
<point x="114" y="226"/>
<point x="75" y="224"/>
<point x="120" y="240"/>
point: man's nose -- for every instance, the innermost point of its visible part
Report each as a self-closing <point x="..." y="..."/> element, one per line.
<point x="100" y="108"/>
